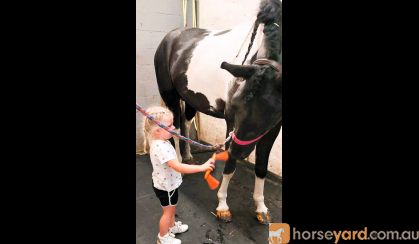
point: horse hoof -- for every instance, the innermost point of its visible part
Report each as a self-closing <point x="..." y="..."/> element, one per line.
<point x="263" y="218"/>
<point x="224" y="216"/>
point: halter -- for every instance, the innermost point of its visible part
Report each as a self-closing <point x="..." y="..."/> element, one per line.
<point x="245" y="143"/>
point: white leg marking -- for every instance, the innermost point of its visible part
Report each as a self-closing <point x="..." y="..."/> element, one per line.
<point x="258" y="195"/>
<point x="187" y="154"/>
<point x="222" y="193"/>
<point x="177" y="147"/>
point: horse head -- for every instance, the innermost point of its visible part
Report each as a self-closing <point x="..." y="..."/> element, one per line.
<point x="254" y="103"/>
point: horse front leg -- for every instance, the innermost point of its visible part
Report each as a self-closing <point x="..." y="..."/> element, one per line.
<point x="223" y="212"/>
<point x="262" y="213"/>
<point x="263" y="149"/>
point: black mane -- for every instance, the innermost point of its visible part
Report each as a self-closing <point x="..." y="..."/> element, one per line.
<point x="270" y="14"/>
<point x="252" y="88"/>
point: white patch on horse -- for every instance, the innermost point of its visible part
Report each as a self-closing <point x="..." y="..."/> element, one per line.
<point x="258" y="195"/>
<point x="176" y="139"/>
<point x="204" y="73"/>
<point x="222" y="192"/>
<point x="187" y="154"/>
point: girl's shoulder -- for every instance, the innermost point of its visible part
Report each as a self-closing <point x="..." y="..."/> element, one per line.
<point x="160" y="146"/>
<point x="159" y="141"/>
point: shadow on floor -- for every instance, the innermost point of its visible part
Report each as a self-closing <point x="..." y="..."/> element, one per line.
<point x="197" y="203"/>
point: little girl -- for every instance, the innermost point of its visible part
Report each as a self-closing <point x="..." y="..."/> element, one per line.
<point x="167" y="172"/>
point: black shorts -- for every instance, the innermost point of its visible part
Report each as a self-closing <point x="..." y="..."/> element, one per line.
<point x="166" y="198"/>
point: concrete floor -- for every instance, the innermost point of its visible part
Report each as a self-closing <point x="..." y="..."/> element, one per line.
<point x="197" y="204"/>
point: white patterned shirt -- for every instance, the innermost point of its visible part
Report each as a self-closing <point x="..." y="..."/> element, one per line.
<point x="164" y="177"/>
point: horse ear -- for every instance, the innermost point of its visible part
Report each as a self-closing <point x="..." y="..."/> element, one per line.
<point x="244" y="71"/>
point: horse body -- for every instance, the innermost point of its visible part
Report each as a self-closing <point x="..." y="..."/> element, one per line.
<point x="193" y="57"/>
<point x="204" y="68"/>
<point x="201" y="70"/>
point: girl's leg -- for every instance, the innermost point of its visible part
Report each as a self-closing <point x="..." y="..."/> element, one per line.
<point x="166" y="219"/>
<point x="172" y="221"/>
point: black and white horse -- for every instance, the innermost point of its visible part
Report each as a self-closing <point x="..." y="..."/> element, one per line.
<point x="232" y="74"/>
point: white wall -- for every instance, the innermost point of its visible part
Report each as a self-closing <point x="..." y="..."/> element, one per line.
<point x="225" y="14"/>
<point x="153" y="20"/>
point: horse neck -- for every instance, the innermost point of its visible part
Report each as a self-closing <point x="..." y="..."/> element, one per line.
<point x="262" y="52"/>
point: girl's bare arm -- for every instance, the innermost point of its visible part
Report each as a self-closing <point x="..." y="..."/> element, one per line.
<point x="190" y="169"/>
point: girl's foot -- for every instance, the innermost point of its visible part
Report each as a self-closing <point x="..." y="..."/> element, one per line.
<point x="178" y="228"/>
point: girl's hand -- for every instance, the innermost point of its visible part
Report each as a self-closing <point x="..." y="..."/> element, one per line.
<point x="208" y="165"/>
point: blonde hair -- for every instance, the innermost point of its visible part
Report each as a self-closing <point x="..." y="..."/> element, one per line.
<point x="159" y="113"/>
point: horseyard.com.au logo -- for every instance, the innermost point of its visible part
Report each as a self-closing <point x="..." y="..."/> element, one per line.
<point x="279" y="233"/>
